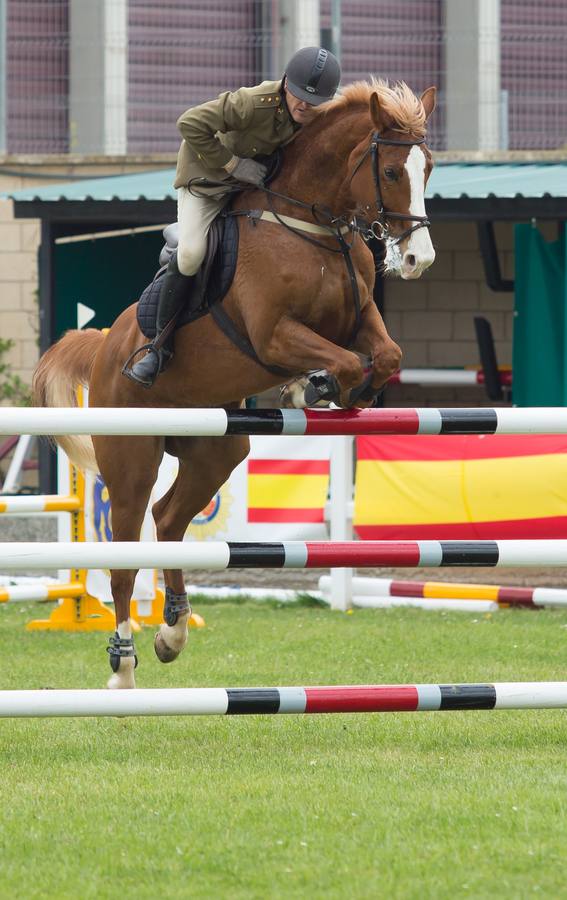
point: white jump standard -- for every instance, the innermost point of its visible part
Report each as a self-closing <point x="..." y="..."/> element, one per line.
<point x="269" y="701"/>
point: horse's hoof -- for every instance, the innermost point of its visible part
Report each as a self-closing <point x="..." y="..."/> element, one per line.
<point x="291" y="394"/>
<point x="164" y="653"/>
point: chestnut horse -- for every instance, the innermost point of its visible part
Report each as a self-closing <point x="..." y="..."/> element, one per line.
<point x="364" y="154"/>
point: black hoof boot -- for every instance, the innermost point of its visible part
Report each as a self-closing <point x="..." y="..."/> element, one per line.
<point x="118" y="648"/>
<point x="174" y="606"/>
<point x="123" y="661"/>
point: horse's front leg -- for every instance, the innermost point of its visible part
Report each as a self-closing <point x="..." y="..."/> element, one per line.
<point x="374" y="341"/>
<point x="294" y="346"/>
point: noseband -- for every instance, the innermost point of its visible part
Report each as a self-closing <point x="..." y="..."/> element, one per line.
<point x="380" y="227"/>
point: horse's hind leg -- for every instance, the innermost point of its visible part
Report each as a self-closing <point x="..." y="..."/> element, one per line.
<point x="204" y="466"/>
<point x="129" y="487"/>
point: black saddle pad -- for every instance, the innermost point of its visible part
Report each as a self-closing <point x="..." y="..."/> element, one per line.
<point x="210" y="284"/>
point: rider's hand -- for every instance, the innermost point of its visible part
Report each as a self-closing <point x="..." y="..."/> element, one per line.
<point x="246" y="170"/>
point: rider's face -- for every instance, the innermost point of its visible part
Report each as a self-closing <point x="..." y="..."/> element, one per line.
<point x="300" y="111"/>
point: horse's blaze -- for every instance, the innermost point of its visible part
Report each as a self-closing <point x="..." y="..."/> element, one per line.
<point x="419" y="253"/>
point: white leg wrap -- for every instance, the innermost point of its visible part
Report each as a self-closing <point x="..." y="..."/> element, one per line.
<point x="125" y="677"/>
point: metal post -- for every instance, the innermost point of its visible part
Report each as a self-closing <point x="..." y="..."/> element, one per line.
<point x="472" y="63"/>
<point x="299" y="27"/>
<point x="46" y="455"/>
<point x="3" y="77"/>
<point x="98" y="76"/>
<point x="341" y="522"/>
<point x="336" y="27"/>
<point x="13" y="478"/>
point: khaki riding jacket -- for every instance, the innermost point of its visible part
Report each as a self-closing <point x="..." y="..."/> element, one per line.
<point x="246" y="123"/>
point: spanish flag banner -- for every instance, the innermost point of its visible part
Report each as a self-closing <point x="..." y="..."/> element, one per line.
<point x="288" y="481"/>
<point x="461" y="487"/>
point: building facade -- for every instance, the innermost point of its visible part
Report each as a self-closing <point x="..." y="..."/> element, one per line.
<point x="95" y="89"/>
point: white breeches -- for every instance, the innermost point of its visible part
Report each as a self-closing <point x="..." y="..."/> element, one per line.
<point x="194" y="215"/>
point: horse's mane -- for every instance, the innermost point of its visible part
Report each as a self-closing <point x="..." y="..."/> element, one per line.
<point x="397" y="100"/>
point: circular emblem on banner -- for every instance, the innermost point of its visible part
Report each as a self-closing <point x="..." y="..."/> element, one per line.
<point x="213" y="519"/>
<point x="101" y="511"/>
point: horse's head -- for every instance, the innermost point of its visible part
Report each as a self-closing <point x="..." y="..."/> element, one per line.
<point x="391" y="174"/>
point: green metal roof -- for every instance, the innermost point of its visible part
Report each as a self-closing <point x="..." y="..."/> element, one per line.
<point x="479" y="181"/>
<point x="448" y="181"/>
<point x="154" y="185"/>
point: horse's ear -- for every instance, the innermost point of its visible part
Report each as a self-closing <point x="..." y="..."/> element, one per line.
<point x="429" y="99"/>
<point x="380" y="119"/>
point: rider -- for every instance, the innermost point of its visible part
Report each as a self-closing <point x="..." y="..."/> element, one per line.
<point x="220" y="140"/>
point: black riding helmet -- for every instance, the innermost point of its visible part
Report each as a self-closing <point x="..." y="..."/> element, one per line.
<point x="313" y="75"/>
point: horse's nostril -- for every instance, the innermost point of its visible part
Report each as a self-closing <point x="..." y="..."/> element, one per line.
<point x="410" y="261"/>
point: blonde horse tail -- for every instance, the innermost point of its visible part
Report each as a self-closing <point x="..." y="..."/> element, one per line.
<point x="60" y="371"/>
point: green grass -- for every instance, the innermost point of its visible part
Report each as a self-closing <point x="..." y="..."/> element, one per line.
<point x="425" y="805"/>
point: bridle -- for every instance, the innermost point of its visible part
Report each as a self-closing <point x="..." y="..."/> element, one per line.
<point x="379" y="228"/>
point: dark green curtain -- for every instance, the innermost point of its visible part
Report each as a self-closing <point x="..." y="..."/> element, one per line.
<point x="539" y="356"/>
<point x="106" y="274"/>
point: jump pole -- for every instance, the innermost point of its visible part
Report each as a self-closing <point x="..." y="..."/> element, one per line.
<point x="31" y="592"/>
<point x="77" y="611"/>
<point x="218" y="422"/>
<point x="34" y="504"/>
<point x="270" y="701"/>
<point x="447" y="377"/>
<point x="430" y="605"/>
<point x="219" y="555"/>
<point x="367" y="590"/>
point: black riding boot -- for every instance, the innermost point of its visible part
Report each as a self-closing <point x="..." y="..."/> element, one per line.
<point x="173" y="296"/>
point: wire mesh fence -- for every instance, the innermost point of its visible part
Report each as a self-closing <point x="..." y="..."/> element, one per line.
<point x="140" y="64"/>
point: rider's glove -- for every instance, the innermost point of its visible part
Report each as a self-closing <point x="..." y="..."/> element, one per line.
<point x="246" y="170"/>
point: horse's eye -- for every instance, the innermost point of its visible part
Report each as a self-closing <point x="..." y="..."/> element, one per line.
<point x="390" y="173"/>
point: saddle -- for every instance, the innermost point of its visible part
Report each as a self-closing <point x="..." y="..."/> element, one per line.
<point x="214" y="278"/>
<point x="210" y="284"/>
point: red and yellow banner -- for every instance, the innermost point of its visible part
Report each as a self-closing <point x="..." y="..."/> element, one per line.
<point x="287" y="490"/>
<point x="470" y="486"/>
